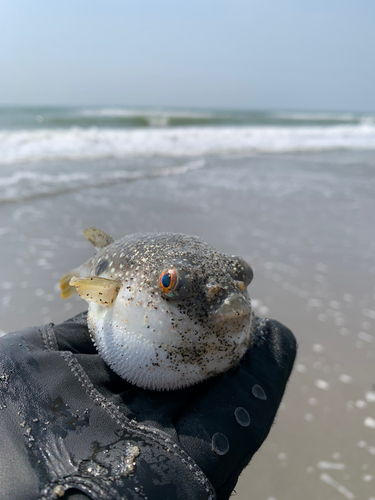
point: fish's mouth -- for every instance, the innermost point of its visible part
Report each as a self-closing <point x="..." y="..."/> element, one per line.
<point x="234" y="307"/>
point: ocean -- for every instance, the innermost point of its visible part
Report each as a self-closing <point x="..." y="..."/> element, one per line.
<point x="34" y="141"/>
<point x="291" y="192"/>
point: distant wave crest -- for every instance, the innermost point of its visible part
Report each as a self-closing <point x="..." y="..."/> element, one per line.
<point x="99" y="143"/>
<point x="349" y="118"/>
<point x="141" y="112"/>
<point x="153" y="118"/>
<point x="344" y="117"/>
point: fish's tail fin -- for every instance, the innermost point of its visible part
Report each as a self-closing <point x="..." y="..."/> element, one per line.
<point x="66" y="289"/>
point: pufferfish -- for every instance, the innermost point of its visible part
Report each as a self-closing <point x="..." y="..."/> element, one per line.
<point x="165" y="310"/>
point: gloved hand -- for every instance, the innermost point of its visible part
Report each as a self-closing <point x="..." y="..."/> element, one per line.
<point x="217" y="425"/>
<point x="221" y="423"/>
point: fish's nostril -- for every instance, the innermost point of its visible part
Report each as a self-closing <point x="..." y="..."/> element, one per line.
<point x="212" y="290"/>
<point x="241" y="285"/>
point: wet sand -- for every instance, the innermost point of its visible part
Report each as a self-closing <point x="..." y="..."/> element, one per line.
<point x="305" y="223"/>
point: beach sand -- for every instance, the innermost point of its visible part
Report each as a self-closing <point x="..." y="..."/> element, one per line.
<point x="305" y="223"/>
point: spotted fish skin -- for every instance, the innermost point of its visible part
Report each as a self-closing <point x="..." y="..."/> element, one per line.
<point x="169" y="341"/>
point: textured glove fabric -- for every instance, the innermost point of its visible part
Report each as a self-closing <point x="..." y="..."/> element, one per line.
<point x="71" y="428"/>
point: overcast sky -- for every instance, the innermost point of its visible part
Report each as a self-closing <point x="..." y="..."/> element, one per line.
<point x="286" y="54"/>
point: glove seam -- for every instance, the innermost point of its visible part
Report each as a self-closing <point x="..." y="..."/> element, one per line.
<point x="48" y="337"/>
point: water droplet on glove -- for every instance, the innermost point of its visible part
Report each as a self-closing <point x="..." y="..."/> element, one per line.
<point x="220" y="443"/>
<point x="258" y="392"/>
<point x="242" y="417"/>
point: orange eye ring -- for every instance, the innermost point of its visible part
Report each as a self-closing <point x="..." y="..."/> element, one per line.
<point x="168" y="281"/>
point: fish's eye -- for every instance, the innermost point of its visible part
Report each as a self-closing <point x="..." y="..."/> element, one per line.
<point x="168" y="281"/>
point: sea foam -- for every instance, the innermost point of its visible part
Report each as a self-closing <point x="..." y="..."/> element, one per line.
<point x="32" y="184"/>
<point x="78" y="143"/>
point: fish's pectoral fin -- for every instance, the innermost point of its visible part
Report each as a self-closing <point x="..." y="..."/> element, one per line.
<point x="99" y="290"/>
<point x="97" y="237"/>
<point x="66" y="289"/>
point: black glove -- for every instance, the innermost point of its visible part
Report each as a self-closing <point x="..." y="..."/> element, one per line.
<point x="80" y="427"/>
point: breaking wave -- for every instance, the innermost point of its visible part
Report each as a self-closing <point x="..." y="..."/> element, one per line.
<point x="78" y="143"/>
